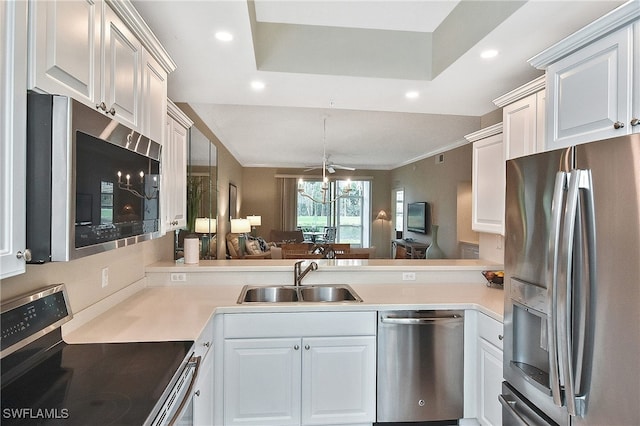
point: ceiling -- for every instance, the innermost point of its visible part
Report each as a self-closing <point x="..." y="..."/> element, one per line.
<point x="349" y="64"/>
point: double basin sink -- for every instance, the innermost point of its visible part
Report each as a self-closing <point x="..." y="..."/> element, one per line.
<point x="290" y="293"/>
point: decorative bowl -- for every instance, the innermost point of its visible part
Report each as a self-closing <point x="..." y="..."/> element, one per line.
<point x="494" y="277"/>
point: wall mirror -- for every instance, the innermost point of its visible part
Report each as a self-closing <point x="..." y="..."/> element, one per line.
<point x="202" y="183"/>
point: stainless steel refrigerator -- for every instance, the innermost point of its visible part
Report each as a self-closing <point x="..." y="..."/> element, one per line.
<point x="572" y="286"/>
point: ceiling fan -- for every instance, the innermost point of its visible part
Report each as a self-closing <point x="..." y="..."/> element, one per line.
<point x="326" y="165"/>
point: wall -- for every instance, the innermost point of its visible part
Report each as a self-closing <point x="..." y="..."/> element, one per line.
<point x="260" y="196"/>
<point x="83" y="277"/>
<point x="437" y="184"/>
<point x="229" y="171"/>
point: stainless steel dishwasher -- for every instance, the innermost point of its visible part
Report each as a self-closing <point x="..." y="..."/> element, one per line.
<point x="420" y="366"/>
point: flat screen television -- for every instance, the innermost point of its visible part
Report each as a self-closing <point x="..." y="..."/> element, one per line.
<point x="418" y="217"/>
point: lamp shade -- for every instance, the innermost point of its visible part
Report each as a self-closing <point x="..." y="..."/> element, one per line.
<point x="240" y="226"/>
<point x="205" y="225"/>
<point x="255" y="220"/>
<point x="382" y="215"/>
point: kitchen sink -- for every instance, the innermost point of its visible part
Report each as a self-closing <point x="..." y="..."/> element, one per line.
<point x="286" y="293"/>
<point x="329" y="293"/>
<point x="269" y="294"/>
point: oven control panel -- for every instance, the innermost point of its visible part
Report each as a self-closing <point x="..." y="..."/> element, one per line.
<point x="29" y="317"/>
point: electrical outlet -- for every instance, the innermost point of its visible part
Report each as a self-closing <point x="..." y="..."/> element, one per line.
<point x="178" y="277"/>
<point x="105" y="277"/>
<point x="499" y="242"/>
<point x="408" y="276"/>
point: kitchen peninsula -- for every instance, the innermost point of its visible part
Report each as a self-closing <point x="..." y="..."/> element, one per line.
<point x="198" y="302"/>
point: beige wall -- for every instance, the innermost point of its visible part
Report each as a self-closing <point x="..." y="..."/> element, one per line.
<point x="260" y="196"/>
<point x="83" y="277"/>
<point x="229" y="171"/>
<point x="437" y="184"/>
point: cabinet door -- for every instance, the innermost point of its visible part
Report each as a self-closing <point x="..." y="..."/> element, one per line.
<point x="121" y="82"/>
<point x="590" y="91"/>
<point x="262" y="381"/>
<point x="488" y="185"/>
<point x="154" y="93"/>
<point x="203" y="393"/>
<point x="13" y="121"/>
<point x="338" y="380"/>
<point x="64" y="51"/>
<point x="489" y="383"/>
<point x="519" y="127"/>
<point x="174" y="176"/>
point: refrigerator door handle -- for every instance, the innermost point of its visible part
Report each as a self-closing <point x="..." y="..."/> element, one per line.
<point x="578" y="179"/>
<point x="552" y="285"/>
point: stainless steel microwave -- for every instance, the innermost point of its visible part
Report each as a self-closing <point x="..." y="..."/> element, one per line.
<point x="92" y="184"/>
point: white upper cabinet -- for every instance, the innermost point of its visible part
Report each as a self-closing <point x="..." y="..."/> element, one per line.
<point x="592" y="83"/>
<point x="121" y="88"/>
<point x="523" y="119"/>
<point x="64" y="53"/>
<point x="174" y="169"/>
<point x="91" y="50"/>
<point x="13" y="121"/>
<point x="154" y="96"/>
<point x="488" y="180"/>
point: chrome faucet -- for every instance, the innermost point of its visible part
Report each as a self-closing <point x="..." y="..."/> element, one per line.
<point x="299" y="274"/>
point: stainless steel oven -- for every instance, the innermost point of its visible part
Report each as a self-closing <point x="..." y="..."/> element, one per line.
<point x="47" y="381"/>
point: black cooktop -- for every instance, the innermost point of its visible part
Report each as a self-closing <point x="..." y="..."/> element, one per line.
<point x="90" y="384"/>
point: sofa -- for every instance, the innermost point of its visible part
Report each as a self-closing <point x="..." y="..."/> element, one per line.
<point x="252" y="248"/>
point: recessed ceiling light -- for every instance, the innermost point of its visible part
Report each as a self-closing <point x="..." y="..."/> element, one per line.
<point x="257" y="85"/>
<point x="488" y="54"/>
<point x="412" y="94"/>
<point x="224" y="36"/>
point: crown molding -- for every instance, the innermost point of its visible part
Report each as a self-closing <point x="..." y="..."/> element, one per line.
<point x="125" y="11"/>
<point x="521" y="92"/>
<point x="496" y="129"/>
<point x="617" y="18"/>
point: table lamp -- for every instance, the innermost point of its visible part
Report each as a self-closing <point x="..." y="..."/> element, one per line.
<point x="205" y="226"/>
<point x="255" y="221"/>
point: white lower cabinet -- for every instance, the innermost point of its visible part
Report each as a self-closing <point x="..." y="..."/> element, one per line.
<point x="301" y="380"/>
<point x="489" y="370"/>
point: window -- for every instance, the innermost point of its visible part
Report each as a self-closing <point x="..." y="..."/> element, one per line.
<point x="349" y="214"/>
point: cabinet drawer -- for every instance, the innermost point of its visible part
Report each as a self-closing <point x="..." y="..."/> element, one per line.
<point x="490" y="330"/>
<point x="296" y="324"/>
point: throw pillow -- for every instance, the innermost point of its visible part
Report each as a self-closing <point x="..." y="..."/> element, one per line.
<point x="253" y="247"/>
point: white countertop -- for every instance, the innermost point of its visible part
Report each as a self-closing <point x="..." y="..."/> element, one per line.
<point x="181" y="312"/>
<point x="326" y="264"/>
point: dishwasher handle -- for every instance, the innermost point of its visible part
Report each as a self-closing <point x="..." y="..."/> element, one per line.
<point x="419" y="321"/>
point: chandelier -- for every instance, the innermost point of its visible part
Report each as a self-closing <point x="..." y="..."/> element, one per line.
<point x="142" y="193"/>
<point x="325" y="199"/>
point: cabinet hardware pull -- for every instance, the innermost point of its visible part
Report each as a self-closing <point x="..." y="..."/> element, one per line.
<point x="307" y="347"/>
<point x="500" y="337"/>
<point x="101" y="106"/>
<point x="207" y="344"/>
<point x="296" y="347"/>
<point x="112" y="111"/>
<point x="635" y="121"/>
<point x="618" y="125"/>
<point x="198" y="392"/>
